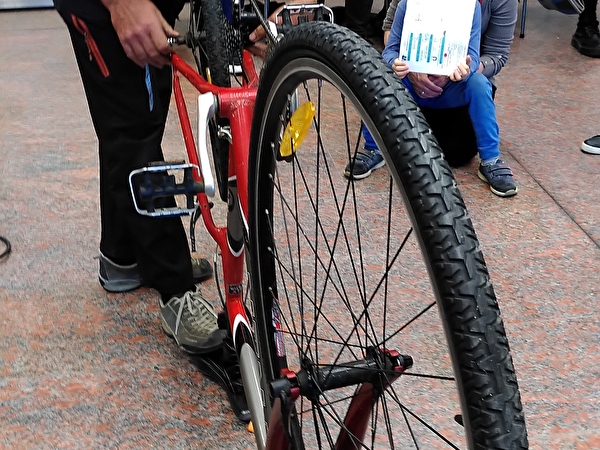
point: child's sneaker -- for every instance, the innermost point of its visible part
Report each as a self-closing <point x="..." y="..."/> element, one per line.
<point x="499" y="177"/>
<point x="364" y="163"/>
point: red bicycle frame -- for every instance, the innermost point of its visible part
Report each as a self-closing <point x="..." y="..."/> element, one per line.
<point x="237" y="105"/>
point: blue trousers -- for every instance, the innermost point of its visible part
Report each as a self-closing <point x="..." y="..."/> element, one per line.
<point x="476" y="92"/>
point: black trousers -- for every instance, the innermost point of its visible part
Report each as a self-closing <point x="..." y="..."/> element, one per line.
<point x="588" y="15"/>
<point x="129" y="132"/>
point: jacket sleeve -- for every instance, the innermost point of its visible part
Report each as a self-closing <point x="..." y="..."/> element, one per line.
<point x="389" y="16"/>
<point x="475" y="39"/>
<point x="498" y="26"/>
<point x="392" y="49"/>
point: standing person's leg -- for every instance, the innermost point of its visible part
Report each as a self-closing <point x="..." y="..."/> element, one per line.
<point x="587" y="37"/>
<point x="130" y="132"/>
<point x="129" y="106"/>
<point x="358" y="17"/>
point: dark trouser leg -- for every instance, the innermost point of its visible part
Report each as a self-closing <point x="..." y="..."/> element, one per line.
<point x="358" y="17"/>
<point x="588" y="15"/>
<point x="130" y="135"/>
<point x="587" y="38"/>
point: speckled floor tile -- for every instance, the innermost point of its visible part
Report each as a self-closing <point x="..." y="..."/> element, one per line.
<point x="80" y="368"/>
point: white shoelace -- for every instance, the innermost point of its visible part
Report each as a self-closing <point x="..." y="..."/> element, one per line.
<point x="201" y="314"/>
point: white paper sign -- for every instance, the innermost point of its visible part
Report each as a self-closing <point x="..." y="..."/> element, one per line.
<point x="435" y="34"/>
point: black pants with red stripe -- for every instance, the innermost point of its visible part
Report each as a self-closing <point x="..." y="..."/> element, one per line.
<point x="129" y="121"/>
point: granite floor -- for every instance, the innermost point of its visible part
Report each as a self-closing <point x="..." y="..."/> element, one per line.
<point x="81" y="368"/>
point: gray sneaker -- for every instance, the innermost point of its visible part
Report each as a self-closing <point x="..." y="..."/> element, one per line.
<point x="117" y="278"/>
<point x="192" y="322"/>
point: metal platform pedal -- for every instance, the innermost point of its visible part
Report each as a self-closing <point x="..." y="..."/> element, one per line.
<point x="157" y="181"/>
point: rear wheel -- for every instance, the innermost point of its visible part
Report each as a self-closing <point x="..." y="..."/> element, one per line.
<point x="214" y="44"/>
<point x="376" y="321"/>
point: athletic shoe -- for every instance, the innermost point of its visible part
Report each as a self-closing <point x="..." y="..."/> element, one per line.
<point x="118" y="278"/>
<point x="365" y="162"/>
<point x="591" y="145"/>
<point x="499" y="177"/>
<point x="124" y="278"/>
<point x="192" y="322"/>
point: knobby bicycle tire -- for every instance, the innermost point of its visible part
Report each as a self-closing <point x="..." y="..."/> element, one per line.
<point x="213" y="46"/>
<point x="343" y="271"/>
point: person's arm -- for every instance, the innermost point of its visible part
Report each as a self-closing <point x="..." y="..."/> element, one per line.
<point x="392" y="47"/>
<point x="465" y="69"/>
<point x="475" y="39"/>
<point x="258" y="35"/>
<point x="142" y="30"/>
<point x="389" y="16"/>
<point x="498" y="25"/>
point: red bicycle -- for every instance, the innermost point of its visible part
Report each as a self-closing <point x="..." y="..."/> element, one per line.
<point x="361" y="313"/>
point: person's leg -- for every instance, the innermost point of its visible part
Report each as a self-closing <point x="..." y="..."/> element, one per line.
<point x="358" y="17"/>
<point x="367" y="160"/>
<point x="454" y="132"/>
<point x="129" y="106"/>
<point x="476" y="92"/>
<point x="587" y="37"/>
<point x="129" y="134"/>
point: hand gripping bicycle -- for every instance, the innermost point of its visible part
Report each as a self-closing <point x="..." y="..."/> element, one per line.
<point x="363" y="315"/>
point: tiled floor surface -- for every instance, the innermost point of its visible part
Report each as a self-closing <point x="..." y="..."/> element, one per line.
<point x="80" y="368"/>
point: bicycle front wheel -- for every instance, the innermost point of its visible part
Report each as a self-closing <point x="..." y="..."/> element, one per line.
<point x="376" y="321"/>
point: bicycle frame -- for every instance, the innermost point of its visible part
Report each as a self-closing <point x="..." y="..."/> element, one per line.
<point x="237" y="105"/>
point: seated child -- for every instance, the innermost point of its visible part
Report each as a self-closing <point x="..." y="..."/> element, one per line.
<point x="464" y="86"/>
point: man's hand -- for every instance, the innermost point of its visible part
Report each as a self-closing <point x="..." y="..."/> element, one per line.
<point x="142" y="30"/>
<point x="427" y="86"/>
<point x="258" y="36"/>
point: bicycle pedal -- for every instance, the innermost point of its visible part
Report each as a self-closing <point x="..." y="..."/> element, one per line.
<point x="160" y="180"/>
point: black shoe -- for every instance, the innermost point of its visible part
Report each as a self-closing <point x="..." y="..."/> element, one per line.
<point x="587" y="41"/>
<point x="201" y="269"/>
<point x="223" y="369"/>
<point x="591" y="145"/>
